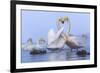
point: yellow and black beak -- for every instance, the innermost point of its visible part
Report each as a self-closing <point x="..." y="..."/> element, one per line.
<point x="62" y="21"/>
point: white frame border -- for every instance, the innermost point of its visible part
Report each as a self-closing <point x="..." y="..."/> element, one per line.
<point x="20" y="65"/>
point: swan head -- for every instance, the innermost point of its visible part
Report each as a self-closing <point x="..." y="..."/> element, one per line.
<point x="63" y="19"/>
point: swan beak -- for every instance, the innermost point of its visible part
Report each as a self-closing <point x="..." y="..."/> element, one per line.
<point x="62" y="22"/>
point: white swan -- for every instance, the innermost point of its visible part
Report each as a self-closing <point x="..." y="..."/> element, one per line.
<point x="71" y="41"/>
<point x="30" y="46"/>
<point x="55" y="40"/>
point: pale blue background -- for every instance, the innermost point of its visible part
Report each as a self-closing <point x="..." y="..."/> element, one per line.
<point x="36" y="24"/>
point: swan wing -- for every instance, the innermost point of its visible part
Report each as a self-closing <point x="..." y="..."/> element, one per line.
<point x="51" y="36"/>
<point x="74" y="40"/>
<point x="59" y="32"/>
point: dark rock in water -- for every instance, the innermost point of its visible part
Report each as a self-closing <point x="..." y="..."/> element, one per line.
<point x="82" y="53"/>
<point x="88" y="53"/>
<point x="53" y="49"/>
<point x="38" y="52"/>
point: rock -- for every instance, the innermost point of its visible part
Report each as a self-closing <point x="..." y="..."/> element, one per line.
<point x="82" y="53"/>
<point x="38" y="52"/>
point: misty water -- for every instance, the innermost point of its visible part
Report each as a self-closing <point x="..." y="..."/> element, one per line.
<point x="64" y="54"/>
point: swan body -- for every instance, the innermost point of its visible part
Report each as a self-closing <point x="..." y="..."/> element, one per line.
<point x="55" y="40"/>
<point x="71" y="41"/>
